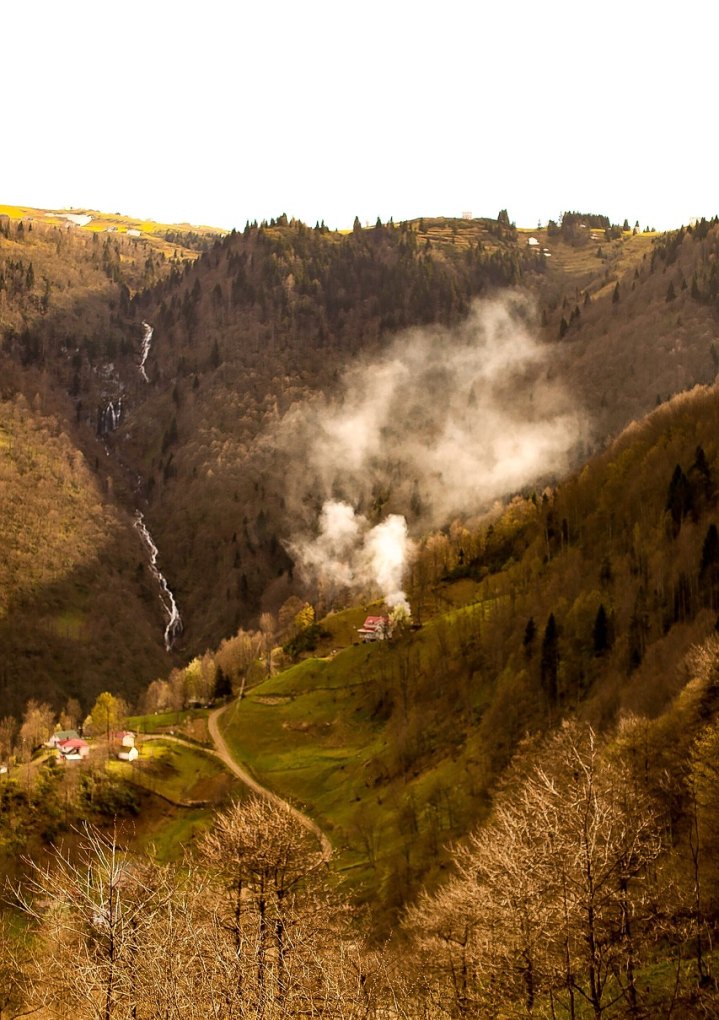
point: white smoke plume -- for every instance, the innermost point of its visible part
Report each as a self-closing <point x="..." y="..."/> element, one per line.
<point x="386" y="550"/>
<point x="439" y="425"/>
<point x="348" y="553"/>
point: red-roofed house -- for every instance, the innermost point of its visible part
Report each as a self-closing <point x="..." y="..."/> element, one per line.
<point x="60" y="735"/>
<point x="74" y="749"/>
<point x="375" y="628"/>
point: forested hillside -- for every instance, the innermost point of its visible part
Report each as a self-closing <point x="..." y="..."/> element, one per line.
<point x="269" y="320"/>
<point x="72" y="576"/>
<point x="279" y="311"/>
<point x="73" y="569"/>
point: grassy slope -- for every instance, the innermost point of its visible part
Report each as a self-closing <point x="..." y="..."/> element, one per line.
<point x="319" y="734"/>
<point x="184" y="775"/>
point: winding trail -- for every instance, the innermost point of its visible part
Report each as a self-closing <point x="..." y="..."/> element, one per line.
<point x="223" y="753"/>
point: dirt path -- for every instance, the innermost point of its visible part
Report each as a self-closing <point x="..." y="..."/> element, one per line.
<point x="223" y="752"/>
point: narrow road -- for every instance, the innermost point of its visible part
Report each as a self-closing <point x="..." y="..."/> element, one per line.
<point x="223" y="752"/>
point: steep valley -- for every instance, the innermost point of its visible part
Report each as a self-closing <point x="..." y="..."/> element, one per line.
<point x="284" y="436"/>
<point x="271" y="318"/>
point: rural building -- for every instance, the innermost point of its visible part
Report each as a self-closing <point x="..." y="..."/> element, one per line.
<point x="123" y="739"/>
<point x="60" y="735"/>
<point x="375" y="628"/>
<point x="533" y="242"/>
<point x="123" y="745"/>
<point x="74" y="749"/>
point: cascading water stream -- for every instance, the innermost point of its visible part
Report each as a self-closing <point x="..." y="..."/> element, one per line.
<point x="145" y="349"/>
<point x="109" y="419"/>
<point x="174" y="624"/>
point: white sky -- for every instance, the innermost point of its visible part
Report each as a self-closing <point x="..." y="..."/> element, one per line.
<point x="218" y="112"/>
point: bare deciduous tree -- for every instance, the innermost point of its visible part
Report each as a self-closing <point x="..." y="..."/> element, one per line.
<point x="95" y="908"/>
<point x="553" y="899"/>
<point x="268" y="863"/>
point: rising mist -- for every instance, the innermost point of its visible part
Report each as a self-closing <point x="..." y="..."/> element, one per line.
<point x="439" y="426"/>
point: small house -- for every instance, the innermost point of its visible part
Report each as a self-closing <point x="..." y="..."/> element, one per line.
<point x="533" y="242"/>
<point x="128" y="754"/>
<point x="375" y="628"/>
<point x="60" y="735"/>
<point x="74" y="749"/>
<point x="123" y="739"/>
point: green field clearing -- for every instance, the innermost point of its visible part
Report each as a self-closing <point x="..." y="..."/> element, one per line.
<point x="317" y="734"/>
<point x="190" y="723"/>
<point x="182" y="774"/>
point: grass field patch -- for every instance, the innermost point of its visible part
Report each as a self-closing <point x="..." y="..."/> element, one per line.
<point x="189" y="722"/>
<point x="177" y="771"/>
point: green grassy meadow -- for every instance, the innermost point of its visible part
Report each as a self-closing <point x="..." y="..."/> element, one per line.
<point x="188" y="723"/>
<point x="322" y="733"/>
<point x="180" y="773"/>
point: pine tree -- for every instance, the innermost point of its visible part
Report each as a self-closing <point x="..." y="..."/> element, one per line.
<point x="223" y="685"/>
<point x="601" y="632"/>
<point x="679" y="499"/>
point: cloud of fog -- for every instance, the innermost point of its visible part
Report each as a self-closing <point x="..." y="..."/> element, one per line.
<point x="442" y="424"/>
<point x="348" y="553"/>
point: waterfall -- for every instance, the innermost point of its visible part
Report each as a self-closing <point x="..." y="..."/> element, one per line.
<point x="145" y="349"/>
<point x="174" y="624"/>
<point x="109" y="418"/>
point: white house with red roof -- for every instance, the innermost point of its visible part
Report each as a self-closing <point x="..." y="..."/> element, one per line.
<point x="375" y="628"/>
<point x="60" y="735"/>
<point x="73" y="749"/>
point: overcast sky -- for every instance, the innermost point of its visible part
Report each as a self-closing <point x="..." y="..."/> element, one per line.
<point x="218" y="112"/>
